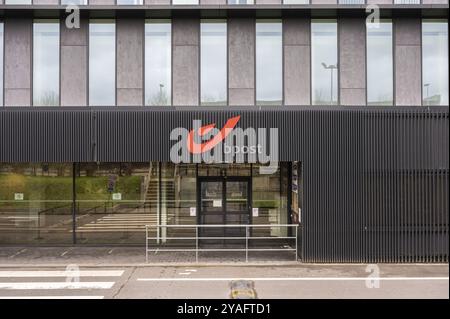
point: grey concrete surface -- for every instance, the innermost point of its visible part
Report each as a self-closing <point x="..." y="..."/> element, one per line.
<point x="288" y="282"/>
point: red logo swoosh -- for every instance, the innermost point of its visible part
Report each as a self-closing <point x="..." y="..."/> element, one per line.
<point x="196" y="148"/>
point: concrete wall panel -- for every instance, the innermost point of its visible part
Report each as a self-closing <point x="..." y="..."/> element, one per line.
<point x="212" y="2"/>
<point x="408" y="78"/>
<point x="185" y="75"/>
<point x="268" y="1"/>
<point x="241" y="57"/>
<point x="101" y="2"/>
<point x="297" y="88"/>
<point x="157" y="2"/>
<point x="296" y="31"/>
<point x="73" y="75"/>
<point x="130" y="61"/>
<point x="379" y="1"/>
<point x="323" y="1"/>
<point x="352" y="96"/>
<point x="408" y="60"/>
<point x="185" y="31"/>
<point x="17" y="60"/>
<point x="38" y="2"/>
<point x="74" y="36"/>
<point x="352" y="58"/>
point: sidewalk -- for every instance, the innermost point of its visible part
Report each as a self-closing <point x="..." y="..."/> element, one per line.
<point x="132" y="256"/>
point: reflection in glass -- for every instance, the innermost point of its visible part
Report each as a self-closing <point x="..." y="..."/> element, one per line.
<point x="35" y="203"/>
<point x="102" y="62"/>
<point x="17" y="1"/>
<point x="1" y="63"/>
<point x="379" y="64"/>
<point x="213" y="53"/>
<point x="46" y="62"/>
<point x="158" y="62"/>
<point x="435" y="62"/>
<point x="269" y="63"/>
<point x="324" y="62"/>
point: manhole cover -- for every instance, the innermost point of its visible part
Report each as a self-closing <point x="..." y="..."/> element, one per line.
<point x="242" y="289"/>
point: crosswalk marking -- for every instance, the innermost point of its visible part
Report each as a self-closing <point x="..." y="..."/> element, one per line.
<point x="61" y="273"/>
<point x="56" y="285"/>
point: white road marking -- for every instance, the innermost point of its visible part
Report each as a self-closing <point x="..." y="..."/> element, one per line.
<point x="18" y="253"/>
<point x="296" y="279"/>
<point x="52" y="297"/>
<point x="184" y="273"/>
<point x="60" y="273"/>
<point x="191" y="270"/>
<point x="56" y="285"/>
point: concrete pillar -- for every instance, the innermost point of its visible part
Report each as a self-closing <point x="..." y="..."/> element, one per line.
<point x="380" y="1"/>
<point x="185" y="70"/>
<point x="157" y="2"/>
<point x="74" y="70"/>
<point x="323" y="1"/>
<point x="297" y="61"/>
<point x="241" y="59"/>
<point x="408" y="59"/>
<point x="212" y="2"/>
<point x="55" y="2"/>
<point x="130" y="62"/>
<point x="101" y="2"/>
<point x="268" y="1"/>
<point x="17" y="63"/>
<point x="352" y="61"/>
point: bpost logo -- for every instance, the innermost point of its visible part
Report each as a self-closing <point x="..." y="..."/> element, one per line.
<point x="231" y="144"/>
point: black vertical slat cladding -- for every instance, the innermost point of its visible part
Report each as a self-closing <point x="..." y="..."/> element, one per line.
<point x="375" y="180"/>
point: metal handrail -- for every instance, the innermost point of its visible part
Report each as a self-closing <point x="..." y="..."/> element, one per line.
<point x="197" y="249"/>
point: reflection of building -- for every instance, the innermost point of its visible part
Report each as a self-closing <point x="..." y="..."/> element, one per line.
<point x="362" y="165"/>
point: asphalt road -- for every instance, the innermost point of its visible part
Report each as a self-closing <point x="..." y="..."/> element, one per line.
<point x="302" y="281"/>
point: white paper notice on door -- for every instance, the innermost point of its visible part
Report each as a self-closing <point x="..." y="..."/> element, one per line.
<point x="255" y="211"/>
<point x="217" y="203"/>
<point x="192" y="211"/>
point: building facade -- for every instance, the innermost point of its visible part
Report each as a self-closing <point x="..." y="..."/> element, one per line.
<point x="320" y="120"/>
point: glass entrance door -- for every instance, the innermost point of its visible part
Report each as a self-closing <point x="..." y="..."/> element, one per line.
<point x="224" y="201"/>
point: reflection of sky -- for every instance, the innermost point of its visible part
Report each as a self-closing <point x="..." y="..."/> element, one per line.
<point x="157" y="62"/>
<point x="18" y="2"/>
<point x="435" y="62"/>
<point x="46" y="63"/>
<point x="324" y="50"/>
<point x="379" y="65"/>
<point x="1" y="63"/>
<point x="269" y="62"/>
<point x="213" y="53"/>
<point x="102" y="64"/>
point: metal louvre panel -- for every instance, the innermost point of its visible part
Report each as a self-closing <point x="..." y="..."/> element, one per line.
<point x="375" y="179"/>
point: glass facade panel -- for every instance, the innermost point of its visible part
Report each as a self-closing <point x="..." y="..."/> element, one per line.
<point x="435" y="62"/>
<point x="102" y="62"/>
<point x="18" y="1"/>
<point x="269" y="63"/>
<point x="324" y="58"/>
<point x="158" y="41"/>
<point x="35" y="203"/>
<point x="213" y="54"/>
<point x="380" y="64"/>
<point x="46" y="62"/>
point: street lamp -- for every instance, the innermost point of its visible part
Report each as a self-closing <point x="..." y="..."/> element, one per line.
<point x="427" y="85"/>
<point x="330" y="67"/>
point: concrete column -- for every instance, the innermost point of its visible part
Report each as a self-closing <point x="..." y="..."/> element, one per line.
<point x="297" y="61"/>
<point x="323" y="1"/>
<point x="408" y="61"/>
<point x="185" y="67"/>
<point x="157" y="2"/>
<point x="434" y="1"/>
<point x="55" y="2"/>
<point x="212" y="2"/>
<point x="17" y="63"/>
<point x="74" y="72"/>
<point x="380" y="1"/>
<point x="101" y="2"/>
<point x="268" y="1"/>
<point x="130" y="62"/>
<point x="352" y="61"/>
<point x="241" y="59"/>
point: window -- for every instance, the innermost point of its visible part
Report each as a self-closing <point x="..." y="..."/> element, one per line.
<point x="130" y="2"/>
<point x="46" y="62"/>
<point x="213" y="53"/>
<point x="185" y="2"/>
<point x="269" y="62"/>
<point x="241" y="1"/>
<point x="324" y="62"/>
<point x="435" y="62"/>
<point x="102" y="62"/>
<point x="1" y="63"/>
<point x="379" y="64"/>
<point x="158" y="62"/>
<point x="17" y="1"/>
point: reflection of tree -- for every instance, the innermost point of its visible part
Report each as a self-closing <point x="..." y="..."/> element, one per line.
<point x="210" y="100"/>
<point x="48" y="98"/>
<point x="159" y="98"/>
